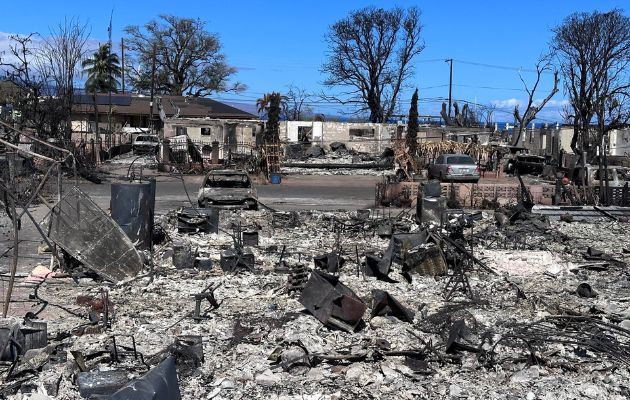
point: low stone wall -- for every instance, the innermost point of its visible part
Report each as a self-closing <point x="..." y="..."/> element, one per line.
<point x="468" y="194"/>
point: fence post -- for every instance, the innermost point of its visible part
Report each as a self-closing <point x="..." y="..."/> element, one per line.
<point x="165" y="151"/>
<point x="99" y="149"/>
<point x="93" y="150"/>
<point x="215" y="152"/>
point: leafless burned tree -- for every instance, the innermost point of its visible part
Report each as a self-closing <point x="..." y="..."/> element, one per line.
<point x="484" y="113"/>
<point x="594" y="52"/>
<point x="522" y="120"/>
<point x="60" y="57"/>
<point x="370" y="54"/>
<point x="43" y="69"/>
<point x="296" y="100"/>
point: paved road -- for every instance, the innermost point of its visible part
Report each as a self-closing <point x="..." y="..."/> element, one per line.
<point x="327" y="192"/>
<point x="299" y="192"/>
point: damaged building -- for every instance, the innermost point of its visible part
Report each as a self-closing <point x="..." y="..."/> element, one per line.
<point x="196" y="303"/>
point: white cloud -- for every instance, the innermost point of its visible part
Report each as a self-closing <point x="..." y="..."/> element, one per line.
<point x="550" y="113"/>
<point x="554" y="103"/>
<point x="4" y="46"/>
<point x="512" y="102"/>
<point x="506" y="103"/>
<point x="6" y="54"/>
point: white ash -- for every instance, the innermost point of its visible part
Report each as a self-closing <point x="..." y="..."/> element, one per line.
<point x="257" y="317"/>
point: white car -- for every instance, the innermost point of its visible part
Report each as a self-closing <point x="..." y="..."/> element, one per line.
<point x="145" y="144"/>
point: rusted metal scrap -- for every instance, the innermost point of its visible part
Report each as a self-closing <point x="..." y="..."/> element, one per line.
<point x="331" y="262"/>
<point x="384" y="303"/>
<point x="298" y="276"/>
<point x="195" y="220"/>
<point x="576" y="331"/>
<point x="377" y="266"/>
<point x="425" y="261"/>
<point x="83" y="230"/>
<point x="331" y="302"/>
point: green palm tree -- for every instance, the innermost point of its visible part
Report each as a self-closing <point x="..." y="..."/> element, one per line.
<point x="103" y="70"/>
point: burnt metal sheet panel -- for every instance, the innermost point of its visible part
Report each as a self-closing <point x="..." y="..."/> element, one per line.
<point x="582" y="213"/>
<point x="160" y="383"/>
<point x="384" y="303"/>
<point x="329" y="300"/>
<point x="132" y="206"/>
<point x="82" y="229"/>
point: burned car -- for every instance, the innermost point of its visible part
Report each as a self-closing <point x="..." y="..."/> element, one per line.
<point x="525" y="164"/>
<point x="616" y="176"/>
<point x="146" y="144"/>
<point x="228" y="188"/>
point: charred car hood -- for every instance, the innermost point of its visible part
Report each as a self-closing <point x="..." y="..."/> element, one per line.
<point x="227" y="193"/>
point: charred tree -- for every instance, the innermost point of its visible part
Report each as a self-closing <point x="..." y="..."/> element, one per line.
<point x="43" y="71"/>
<point x="522" y="120"/>
<point x="593" y="52"/>
<point x="370" y="57"/>
<point x="412" y="126"/>
<point x="296" y="100"/>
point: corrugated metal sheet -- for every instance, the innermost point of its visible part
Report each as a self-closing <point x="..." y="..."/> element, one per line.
<point x="83" y="230"/>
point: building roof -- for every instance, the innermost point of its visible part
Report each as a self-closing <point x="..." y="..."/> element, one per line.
<point x="181" y="106"/>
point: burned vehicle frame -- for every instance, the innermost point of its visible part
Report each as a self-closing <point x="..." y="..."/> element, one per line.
<point x="525" y="164"/>
<point x="227" y="188"/>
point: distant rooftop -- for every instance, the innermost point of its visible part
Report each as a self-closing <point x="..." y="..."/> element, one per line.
<point x="132" y="104"/>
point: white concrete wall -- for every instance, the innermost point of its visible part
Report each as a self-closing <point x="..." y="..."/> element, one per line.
<point x="245" y="132"/>
<point x="619" y="142"/>
<point x="194" y="133"/>
<point x="289" y="130"/>
<point x="565" y="134"/>
<point x="325" y="133"/>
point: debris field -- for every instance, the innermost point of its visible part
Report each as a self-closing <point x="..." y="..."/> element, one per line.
<point x="334" y="305"/>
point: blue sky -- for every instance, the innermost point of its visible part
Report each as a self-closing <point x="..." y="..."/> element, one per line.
<point x="276" y="43"/>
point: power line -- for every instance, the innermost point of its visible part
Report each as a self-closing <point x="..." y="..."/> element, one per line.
<point x="503" y="67"/>
<point x="498" y="88"/>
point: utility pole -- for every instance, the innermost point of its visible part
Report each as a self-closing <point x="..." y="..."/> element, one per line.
<point x="122" y="57"/>
<point x="152" y="87"/>
<point x="109" y="89"/>
<point x="450" y="85"/>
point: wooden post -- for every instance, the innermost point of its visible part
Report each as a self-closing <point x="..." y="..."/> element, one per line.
<point x="99" y="149"/>
<point x="93" y="150"/>
<point x="7" y="300"/>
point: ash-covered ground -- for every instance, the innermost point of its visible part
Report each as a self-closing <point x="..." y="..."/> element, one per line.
<point x="526" y="331"/>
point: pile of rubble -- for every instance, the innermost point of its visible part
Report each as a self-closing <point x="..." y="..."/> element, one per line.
<point x="315" y="160"/>
<point x="331" y="305"/>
